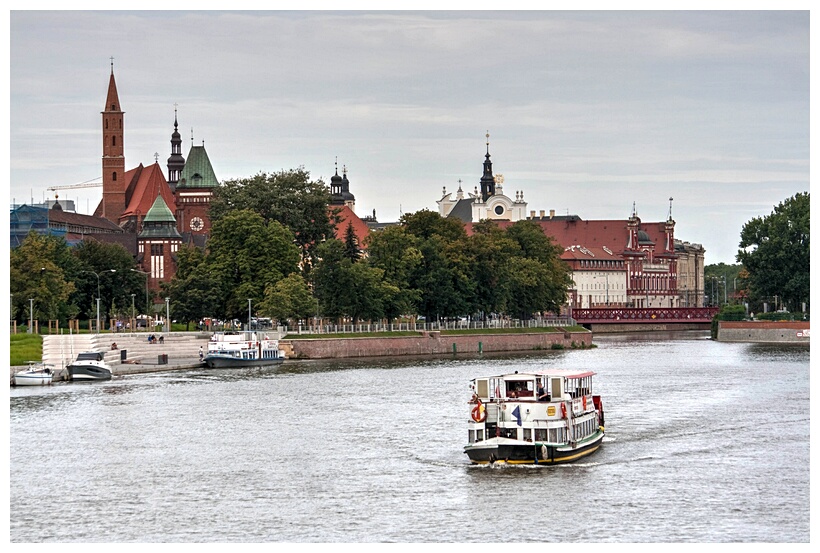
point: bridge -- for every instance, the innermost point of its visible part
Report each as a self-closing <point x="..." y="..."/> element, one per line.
<point x="638" y="315"/>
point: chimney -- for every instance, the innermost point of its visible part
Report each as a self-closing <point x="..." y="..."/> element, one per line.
<point x="542" y="213"/>
<point x="552" y="213"/>
<point x="532" y="214"/>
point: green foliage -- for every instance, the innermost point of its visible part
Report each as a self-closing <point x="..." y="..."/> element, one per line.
<point x="345" y="288"/>
<point x="113" y="264"/>
<point x="351" y="246"/>
<point x="246" y="255"/>
<point x="195" y="291"/>
<point x="782" y="316"/>
<point x="40" y="269"/>
<point x="290" y="298"/>
<point x="289" y="197"/>
<point x="775" y="252"/>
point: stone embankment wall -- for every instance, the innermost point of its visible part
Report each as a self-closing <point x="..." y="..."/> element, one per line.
<point x="431" y="343"/>
<point x="763" y="331"/>
<point x="605" y="328"/>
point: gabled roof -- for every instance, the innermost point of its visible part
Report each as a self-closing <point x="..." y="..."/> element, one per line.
<point x="146" y="184"/>
<point x="198" y="172"/>
<point x="347" y="216"/>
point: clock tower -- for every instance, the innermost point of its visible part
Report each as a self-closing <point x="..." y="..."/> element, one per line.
<point x="194" y="191"/>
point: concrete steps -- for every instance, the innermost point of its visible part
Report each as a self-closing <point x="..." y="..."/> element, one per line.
<point x="60" y="350"/>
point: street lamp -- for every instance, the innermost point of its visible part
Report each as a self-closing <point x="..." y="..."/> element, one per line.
<point x="31" y="316"/>
<point x="133" y="314"/>
<point x="167" y="315"/>
<point x="98" y="292"/>
<point x="146" y="293"/>
<point x="249" y="313"/>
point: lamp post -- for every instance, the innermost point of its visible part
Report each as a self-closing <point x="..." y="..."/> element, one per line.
<point x="249" y="313"/>
<point x="146" y="293"/>
<point x="167" y="315"/>
<point x="133" y="314"/>
<point x="31" y="316"/>
<point x="98" y="292"/>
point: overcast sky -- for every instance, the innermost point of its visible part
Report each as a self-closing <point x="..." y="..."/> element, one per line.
<point x="587" y="112"/>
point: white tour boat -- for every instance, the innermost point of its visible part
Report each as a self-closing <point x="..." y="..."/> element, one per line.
<point x="37" y="374"/>
<point x="89" y="366"/>
<point x="539" y="417"/>
<point x="242" y="349"/>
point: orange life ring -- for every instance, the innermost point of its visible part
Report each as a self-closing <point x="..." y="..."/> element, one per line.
<point x="478" y="413"/>
<point x="563" y="410"/>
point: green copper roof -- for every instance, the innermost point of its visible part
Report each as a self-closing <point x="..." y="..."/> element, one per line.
<point x="197" y="172"/>
<point x="159" y="213"/>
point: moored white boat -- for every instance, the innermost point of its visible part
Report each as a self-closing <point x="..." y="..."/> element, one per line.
<point x="243" y="349"/>
<point x="89" y="366"/>
<point x="538" y="417"/>
<point x="37" y="374"/>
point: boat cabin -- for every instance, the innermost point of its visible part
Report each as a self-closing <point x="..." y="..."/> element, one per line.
<point x="536" y="386"/>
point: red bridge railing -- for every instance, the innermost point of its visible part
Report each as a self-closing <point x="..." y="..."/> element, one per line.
<point x="645" y="315"/>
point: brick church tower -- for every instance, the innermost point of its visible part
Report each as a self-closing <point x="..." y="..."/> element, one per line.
<point x="113" y="158"/>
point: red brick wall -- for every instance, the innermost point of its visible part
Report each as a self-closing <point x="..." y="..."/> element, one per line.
<point x="433" y="343"/>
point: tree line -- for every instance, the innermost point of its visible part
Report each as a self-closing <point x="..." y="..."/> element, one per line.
<point x="273" y="242"/>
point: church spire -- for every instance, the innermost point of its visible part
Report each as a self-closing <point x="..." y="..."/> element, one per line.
<point x="487" y="179"/>
<point x="176" y="162"/>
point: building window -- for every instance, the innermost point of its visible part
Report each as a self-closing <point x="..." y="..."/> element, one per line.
<point x="113" y="140"/>
<point x="157" y="261"/>
<point x="114" y="176"/>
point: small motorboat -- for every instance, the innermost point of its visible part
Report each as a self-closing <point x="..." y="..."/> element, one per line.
<point x="37" y="374"/>
<point x="89" y="366"/>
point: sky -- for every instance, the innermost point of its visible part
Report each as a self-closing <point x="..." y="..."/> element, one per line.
<point x="588" y="112"/>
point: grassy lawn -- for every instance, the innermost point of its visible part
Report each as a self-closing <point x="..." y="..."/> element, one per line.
<point x="443" y="332"/>
<point x="25" y="347"/>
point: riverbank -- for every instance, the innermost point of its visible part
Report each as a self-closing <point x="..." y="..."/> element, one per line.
<point x="433" y="343"/>
<point x="178" y="356"/>
<point x="783" y="332"/>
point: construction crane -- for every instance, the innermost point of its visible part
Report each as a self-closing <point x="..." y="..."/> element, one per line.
<point x="93" y="183"/>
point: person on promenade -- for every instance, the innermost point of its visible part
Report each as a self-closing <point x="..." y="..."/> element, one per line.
<point x="201" y="354"/>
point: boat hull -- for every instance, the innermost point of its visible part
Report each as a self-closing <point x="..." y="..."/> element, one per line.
<point x="514" y="452"/>
<point x="228" y="362"/>
<point x="32" y="379"/>
<point x="87" y="373"/>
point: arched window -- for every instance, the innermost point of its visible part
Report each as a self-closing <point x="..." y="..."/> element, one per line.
<point x="113" y="140"/>
<point x="114" y="176"/>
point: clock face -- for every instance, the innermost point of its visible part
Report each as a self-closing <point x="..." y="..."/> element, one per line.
<point x="197" y="224"/>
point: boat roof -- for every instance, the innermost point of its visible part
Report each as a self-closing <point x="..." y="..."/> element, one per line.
<point x="523" y="375"/>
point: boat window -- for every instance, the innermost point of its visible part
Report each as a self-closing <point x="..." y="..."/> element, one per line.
<point x="556" y="391"/>
<point x="519" y="388"/>
<point x="482" y="388"/>
<point x="540" y="434"/>
<point x="527" y="434"/>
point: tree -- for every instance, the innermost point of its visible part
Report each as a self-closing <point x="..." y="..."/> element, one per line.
<point x="775" y="252"/>
<point x="38" y="270"/>
<point x="395" y="251"/>
<point x="195" y="291"/>
<point x="289" y="197"/>
<point x="246" y="255"/>
<point x="351" y="243"/>
<point x="117" y="282"/>
<point x="290" y="298"/>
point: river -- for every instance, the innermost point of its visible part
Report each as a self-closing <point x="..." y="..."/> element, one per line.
<point x="706" y="442"/>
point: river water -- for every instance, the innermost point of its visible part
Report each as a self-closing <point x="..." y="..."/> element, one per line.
<point x="706" y="442"/>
